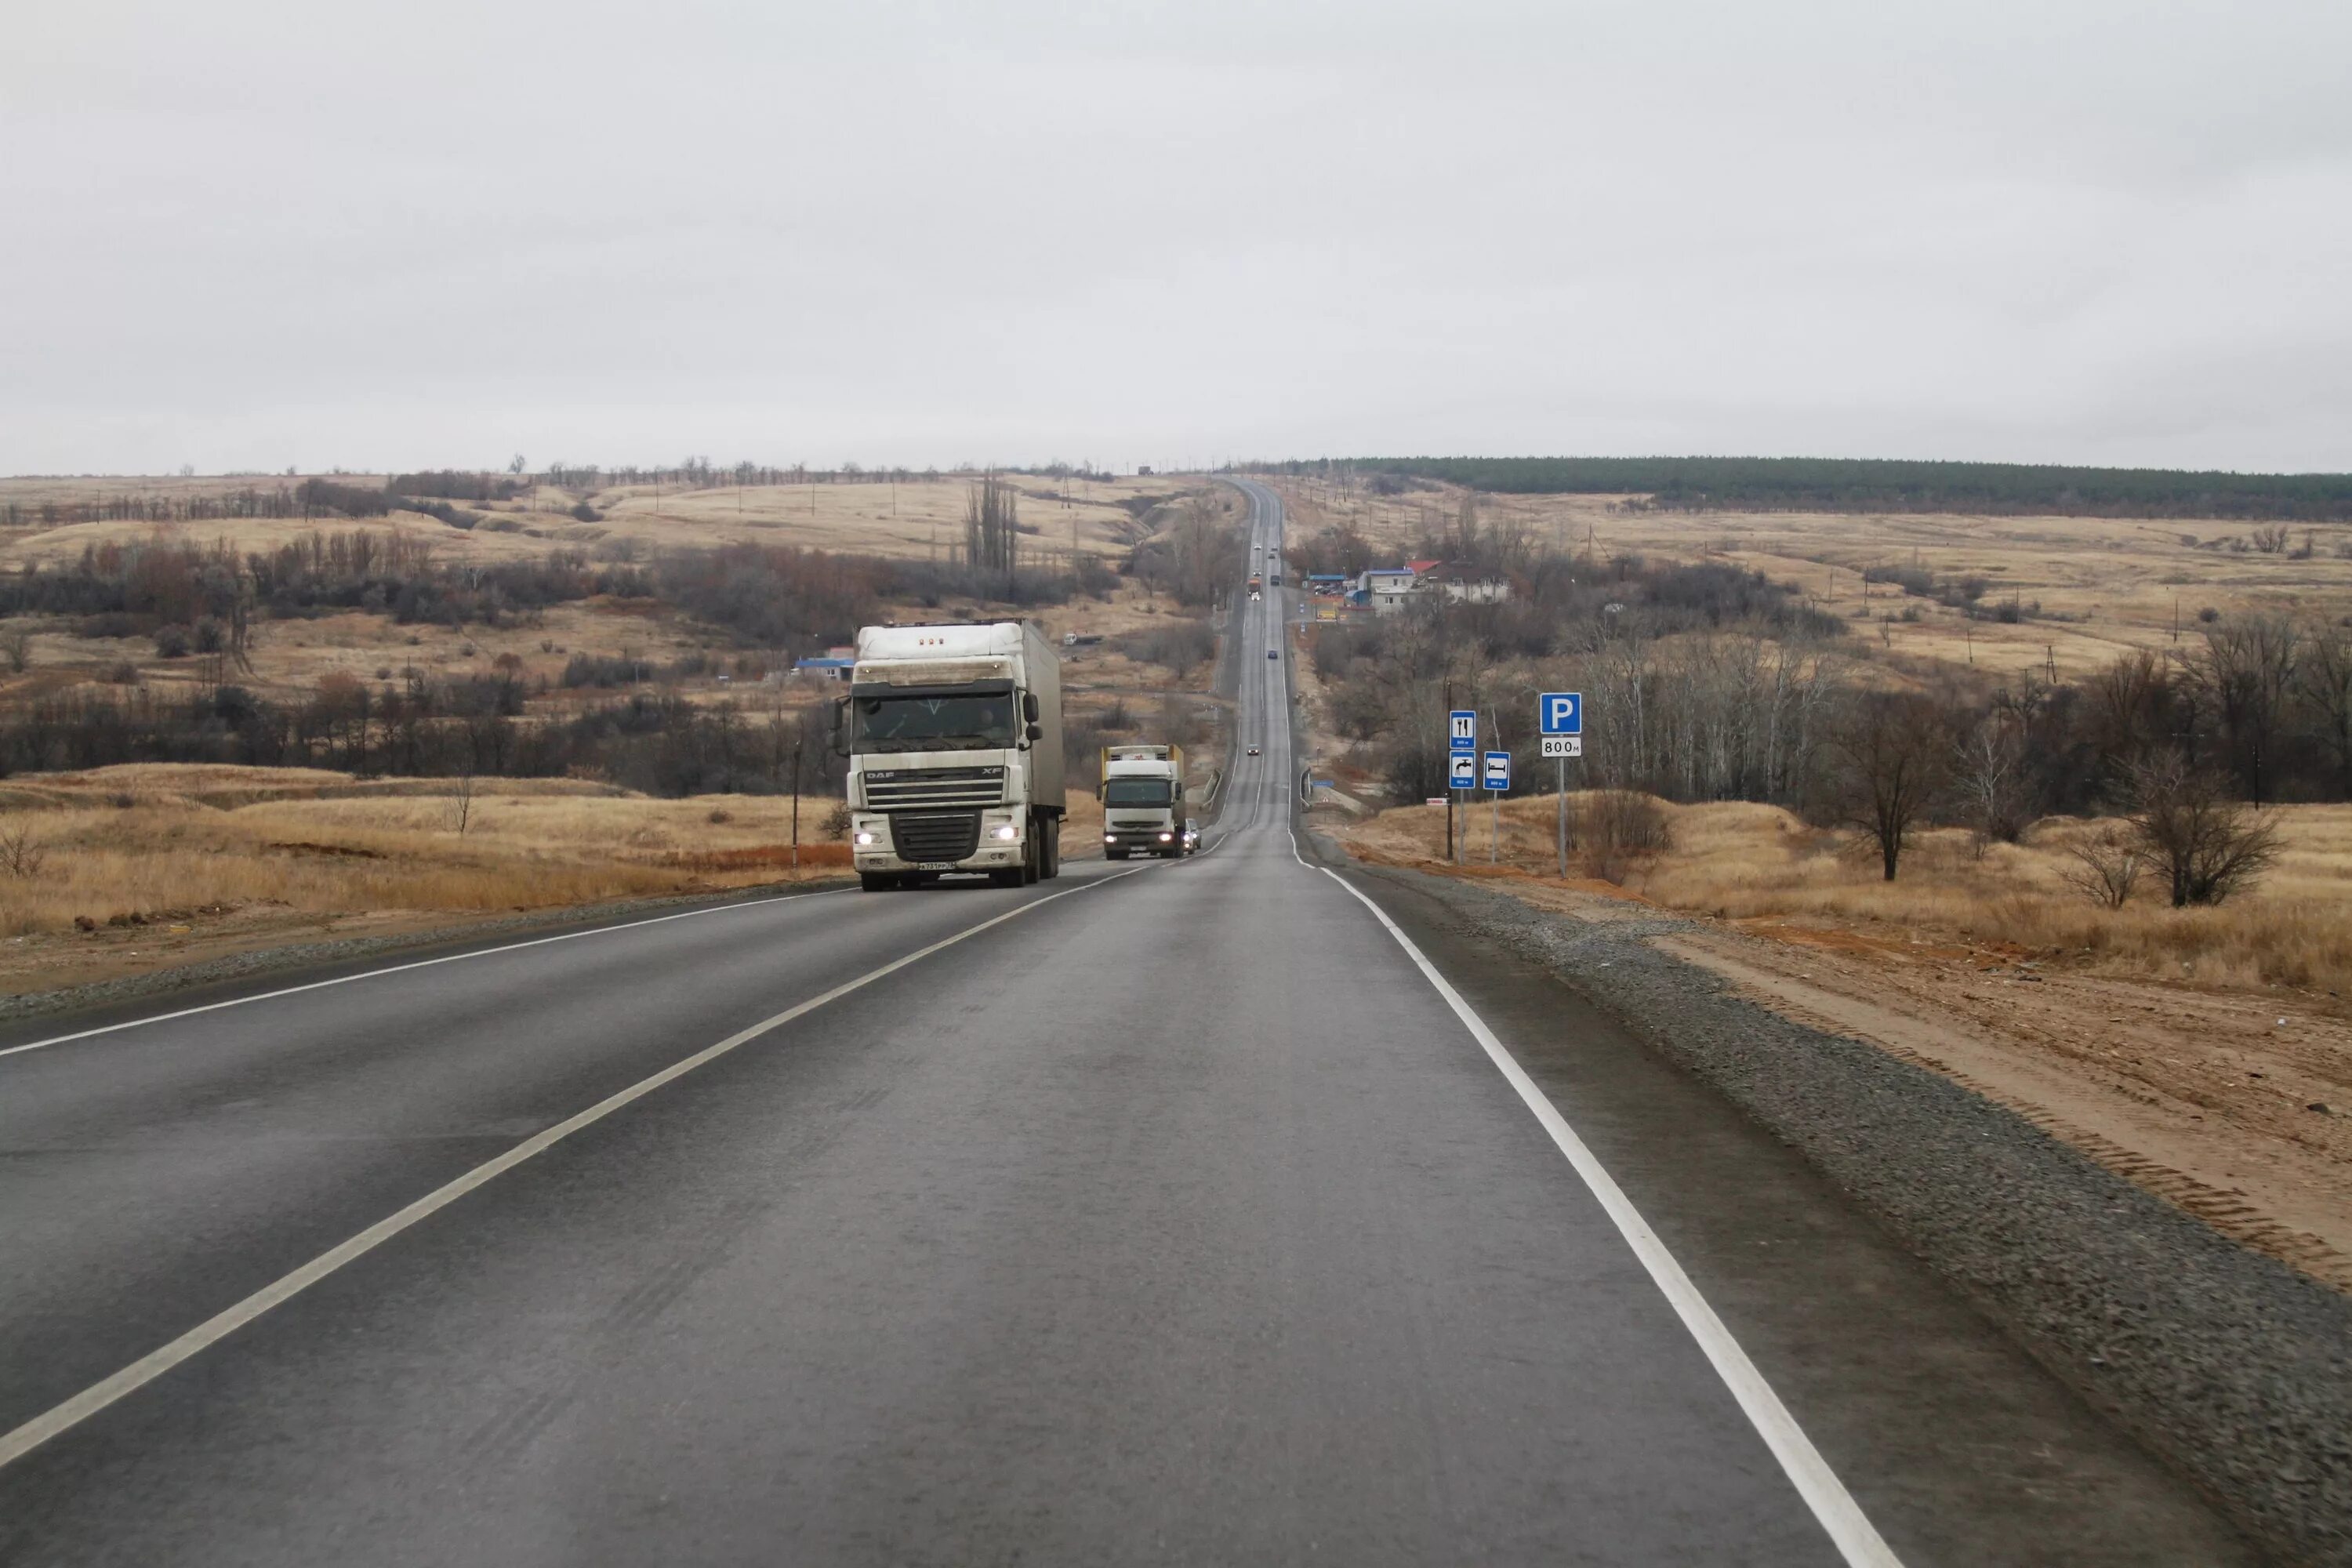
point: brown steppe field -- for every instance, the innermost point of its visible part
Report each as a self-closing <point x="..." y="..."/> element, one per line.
<point x="912" y="519"/>
<point x="2105" y="586"/>
<point x="289" y="656"/>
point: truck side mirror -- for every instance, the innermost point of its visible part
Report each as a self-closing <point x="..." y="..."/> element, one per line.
<point x="1029" y="710"/>
<point x="840" y="711"/>
<point x="1036" y="732"/>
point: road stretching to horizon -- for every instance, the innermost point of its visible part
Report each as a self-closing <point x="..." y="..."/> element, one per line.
<point x="1171" y="1213"/>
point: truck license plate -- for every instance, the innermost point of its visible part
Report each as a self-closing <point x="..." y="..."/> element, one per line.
<point x="935" y="865"/>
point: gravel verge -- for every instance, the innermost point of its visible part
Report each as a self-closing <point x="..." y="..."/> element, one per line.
<point x="292" y="959"/>
<point x="2233" y="1367"/>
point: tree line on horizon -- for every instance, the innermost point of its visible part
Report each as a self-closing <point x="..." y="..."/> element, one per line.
<point x="1871" y="485"/>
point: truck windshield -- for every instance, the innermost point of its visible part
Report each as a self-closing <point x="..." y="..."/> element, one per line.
<point x="1137" y="792"/>
<point x="933" y="722"/>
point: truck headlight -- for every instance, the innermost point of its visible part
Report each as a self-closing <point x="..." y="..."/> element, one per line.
<point x="1166" y="837"/>
<point x="1006" y="831"/>
<point x="863" y="838"/>
<point x="1111" y="837"/>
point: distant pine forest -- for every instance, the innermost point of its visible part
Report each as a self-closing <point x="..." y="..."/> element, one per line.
<point x="1876" y="485"/>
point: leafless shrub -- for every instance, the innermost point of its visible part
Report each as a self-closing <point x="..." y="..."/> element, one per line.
<point x="2203" y="844"/>
<point x="837" y="821"/>
<point x="2271" y="538"/>
<point x="2106" y="867"/>
<point x="17" y="648"/>
<point x="20" y="855"/>
<point x="1615" y="827"/>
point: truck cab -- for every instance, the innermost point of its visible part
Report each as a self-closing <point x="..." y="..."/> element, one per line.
<point x="1142" y="794"/>
<point x="954" y="740"/>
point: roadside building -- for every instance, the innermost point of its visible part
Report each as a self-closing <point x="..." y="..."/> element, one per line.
<point x="1461" y="584"/>
<point x="1386" y="588"/>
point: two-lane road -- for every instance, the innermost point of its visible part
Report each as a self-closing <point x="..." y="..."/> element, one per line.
<point x="1171" y="1213"/>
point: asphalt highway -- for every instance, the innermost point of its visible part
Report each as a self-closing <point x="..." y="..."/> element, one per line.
<point x="1204" y="1212"/>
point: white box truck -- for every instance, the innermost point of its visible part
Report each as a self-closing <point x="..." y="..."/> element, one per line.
<point x="1142" y="794"/>
<point x="954" y="740"/>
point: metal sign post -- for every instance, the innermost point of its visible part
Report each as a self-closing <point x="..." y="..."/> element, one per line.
<point x="1461" y="770"/>
<point x="1498" y="782"/>
<point x="1560" y="716"/>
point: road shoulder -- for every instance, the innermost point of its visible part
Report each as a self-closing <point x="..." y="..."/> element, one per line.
<point x="2232" y="1367"/>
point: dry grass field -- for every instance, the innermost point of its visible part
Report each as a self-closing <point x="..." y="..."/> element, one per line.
<point x="289" y="656"/>
<point x="912" y="519"/>
<point x="2206" y="1053"/>
<point x="1760" y="867"/>
<point x="126" y="869"/>
<point x="2105" y="585"/>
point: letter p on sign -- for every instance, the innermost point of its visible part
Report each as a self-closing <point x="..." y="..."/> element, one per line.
<point x="1563" y="713"/>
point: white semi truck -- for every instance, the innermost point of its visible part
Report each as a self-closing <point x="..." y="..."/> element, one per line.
<point x="1143" y="801"/>
<point x="954" y="740"/>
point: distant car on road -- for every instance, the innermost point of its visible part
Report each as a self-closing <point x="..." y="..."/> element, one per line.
<point x="1274" y="653"/>
<point x="1253" y="750"/>
<point x="1192" y="837"/>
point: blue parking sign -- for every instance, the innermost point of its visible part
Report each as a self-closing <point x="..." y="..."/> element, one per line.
<point x="1561" y="712"/>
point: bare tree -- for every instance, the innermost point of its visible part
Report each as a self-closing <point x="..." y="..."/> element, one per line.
<point x="1896" y="755"/>
<point x="990" y="524"/>
<point x="20" y="855"/>
<point x="2203" y="844"/>
<point x="1990" y="773"/>
<point x="2106" y="866"/>
<point x="2324" y="680"/>
<point x="17" y="648"/>
<point x="461" y="802"/>
<point x="2247" y="671"/>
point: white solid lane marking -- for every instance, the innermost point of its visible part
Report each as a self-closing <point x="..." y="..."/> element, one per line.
<point x="16" y="1444"/>
<point x="405" y="968"/>
<point x="1857" y="1539"/>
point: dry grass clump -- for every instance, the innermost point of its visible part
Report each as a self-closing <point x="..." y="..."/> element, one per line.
<point x="1745" y="861"/>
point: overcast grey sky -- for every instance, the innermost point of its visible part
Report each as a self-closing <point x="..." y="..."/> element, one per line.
<point x="246" y="235"/>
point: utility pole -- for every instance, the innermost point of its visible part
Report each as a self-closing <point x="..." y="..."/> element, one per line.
<point x="1493" y="800"/>
<point x="797" y="744"/>
<point x="1449" y="783"/>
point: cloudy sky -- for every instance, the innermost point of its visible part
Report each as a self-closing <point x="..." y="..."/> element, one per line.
<point x="250" y="235"/>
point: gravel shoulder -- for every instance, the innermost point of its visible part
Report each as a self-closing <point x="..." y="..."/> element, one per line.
<point x="2231" y="1366"/>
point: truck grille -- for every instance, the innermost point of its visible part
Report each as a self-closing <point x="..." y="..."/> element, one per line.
<point x="934" y="786"/>
<point x="935" y="834"/>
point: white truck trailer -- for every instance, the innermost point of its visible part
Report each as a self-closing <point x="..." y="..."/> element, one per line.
<point x="954" y="740"/>
<point x="1143" y="801"/>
